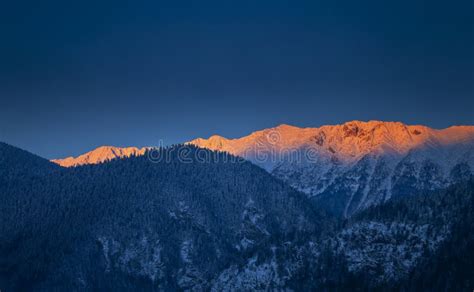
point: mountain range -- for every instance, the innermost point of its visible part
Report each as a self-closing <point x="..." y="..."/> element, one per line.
<point x="344" y="168"/>
<point x="222" y="224"/>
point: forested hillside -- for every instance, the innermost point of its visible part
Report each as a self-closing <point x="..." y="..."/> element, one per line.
<point x="135" y="223"/>
<point x="211" y="221"/>
<point x="422" y="242"/>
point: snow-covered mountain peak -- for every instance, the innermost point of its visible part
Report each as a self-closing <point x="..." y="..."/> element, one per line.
<point x="358" y="164"/>
<point x="341" y="144"/>
<point x="99" y="155"/>
<point x="346" y="142"/>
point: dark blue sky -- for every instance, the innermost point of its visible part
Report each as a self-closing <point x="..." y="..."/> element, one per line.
<point x="76" y="75"/>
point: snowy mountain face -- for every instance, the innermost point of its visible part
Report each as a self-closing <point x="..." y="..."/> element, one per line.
<point x="100" y="155"/>
<point x="352" y="166"/>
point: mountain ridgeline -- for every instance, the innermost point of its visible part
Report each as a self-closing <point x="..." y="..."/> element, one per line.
<point x="169" y="220"/>
<point x="349" y="167"/>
